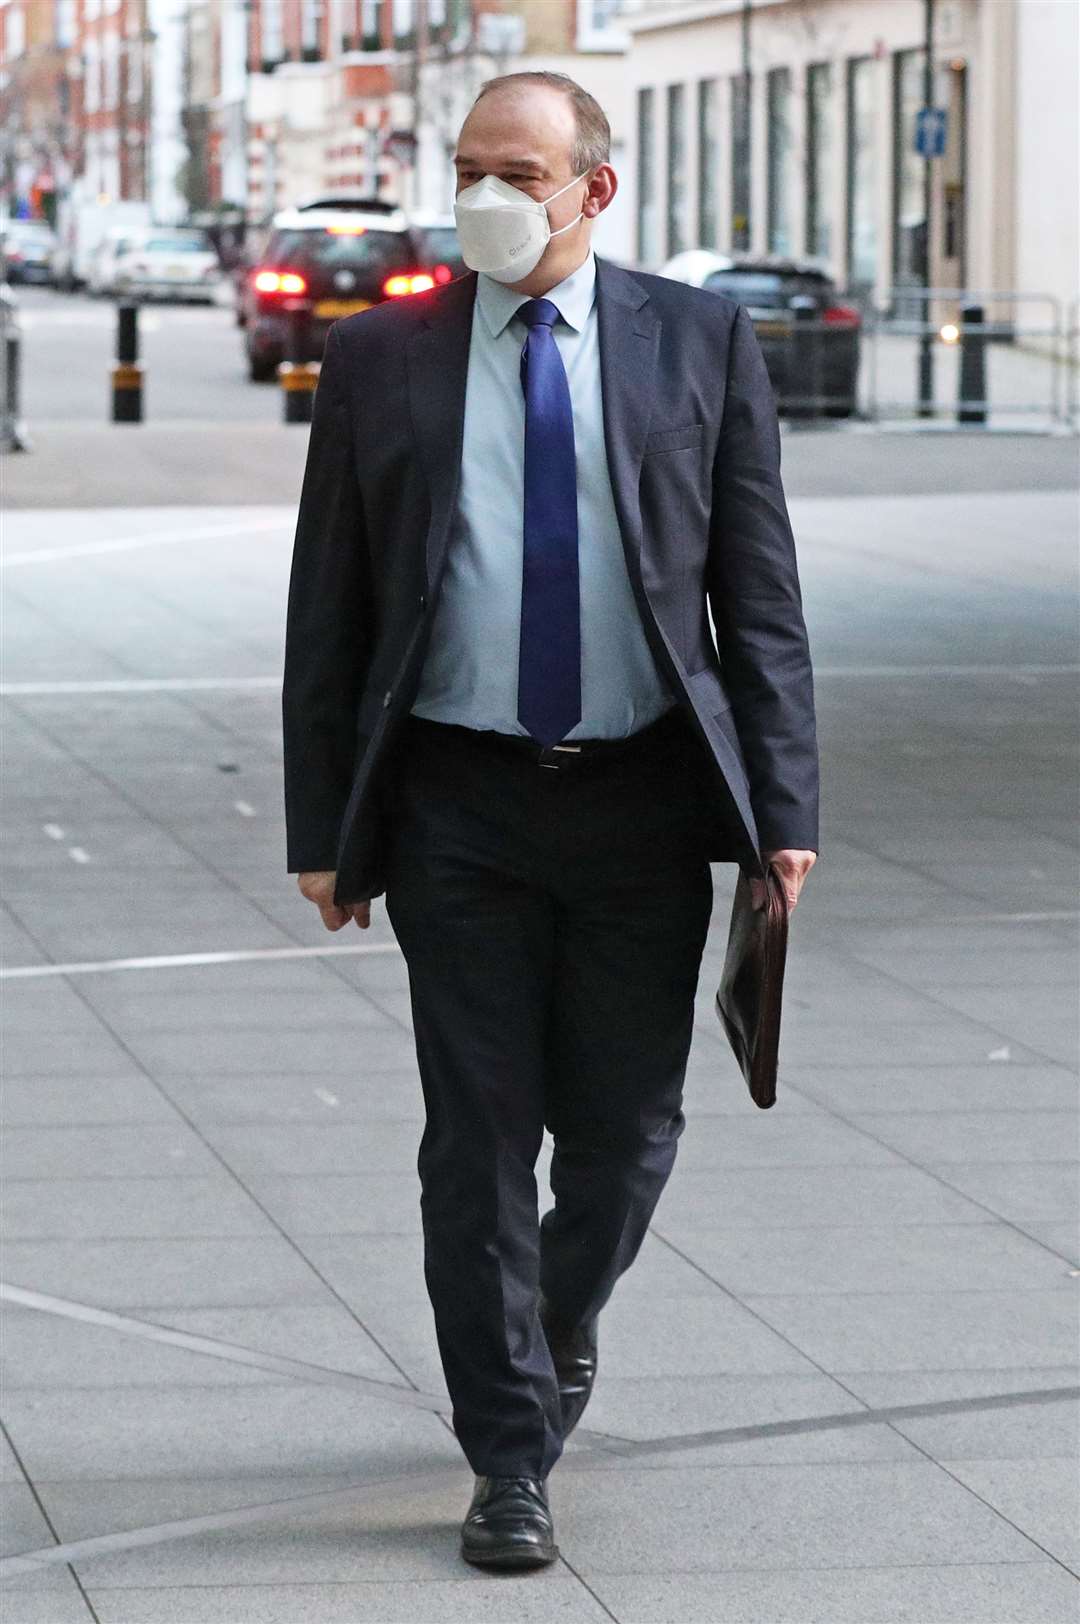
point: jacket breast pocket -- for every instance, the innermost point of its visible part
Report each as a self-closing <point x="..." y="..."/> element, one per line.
<point x="685" y="438"/>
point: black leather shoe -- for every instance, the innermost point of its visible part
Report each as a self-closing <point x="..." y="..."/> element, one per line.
<point x="508" y="1524"/>
<point x="573" y="1353"/>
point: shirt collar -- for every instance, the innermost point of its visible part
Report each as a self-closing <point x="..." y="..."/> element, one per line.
<point x="574" y="296"/>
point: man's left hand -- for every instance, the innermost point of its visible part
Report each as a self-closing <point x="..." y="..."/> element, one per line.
<point x="792" y="867"/>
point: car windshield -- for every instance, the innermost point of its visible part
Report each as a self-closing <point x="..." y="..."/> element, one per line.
<point x="175" y="245"/>
<point x="763" y="287"/>
<point x="344" y="249"/>
<point x="439" y="245"/>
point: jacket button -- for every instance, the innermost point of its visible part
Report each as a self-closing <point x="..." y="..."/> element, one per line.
<point x="386" y="700"/>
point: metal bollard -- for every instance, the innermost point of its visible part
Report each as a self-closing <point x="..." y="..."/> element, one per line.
<point x="806" y="357"/>
<point x="298" y="377"/>
<point x="972" y="387"/>
<point x="12" y="431"/>
<point x="127" y="374"/>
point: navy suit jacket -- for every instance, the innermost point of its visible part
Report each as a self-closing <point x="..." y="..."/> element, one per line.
<point x="693" y="447"/>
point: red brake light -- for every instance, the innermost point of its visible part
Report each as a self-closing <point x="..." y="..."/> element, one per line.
<point x="443" y="273"/>
<point x="413" y="282"/>
<point x="279" y="282"/>
<point x="841" y="316"/>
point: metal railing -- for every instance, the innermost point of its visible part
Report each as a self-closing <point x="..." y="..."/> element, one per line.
<point x="987" y="369"/>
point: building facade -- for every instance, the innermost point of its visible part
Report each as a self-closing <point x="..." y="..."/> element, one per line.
<point x="832" y="171"/>
<point x="91" y="99"/>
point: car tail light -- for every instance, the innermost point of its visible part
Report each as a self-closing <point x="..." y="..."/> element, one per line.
<point x="279" y="282"/>
<point x="350" y="229"/>
<point x="413" y="282"/>
<point x="841" y="316"/>
<point x="443" y="273"/>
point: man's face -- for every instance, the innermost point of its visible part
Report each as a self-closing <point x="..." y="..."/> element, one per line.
<point x="524" y="137"/>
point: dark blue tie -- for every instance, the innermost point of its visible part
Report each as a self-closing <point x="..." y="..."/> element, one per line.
<point x="549" y="668"/>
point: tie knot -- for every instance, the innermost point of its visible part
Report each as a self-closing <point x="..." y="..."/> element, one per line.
<point x="539" y="313"/>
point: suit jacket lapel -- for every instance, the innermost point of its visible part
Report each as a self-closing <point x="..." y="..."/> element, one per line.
<point x="629" y="339"/>
<point x="437" y="358"/>
<point x="438" y="363"/>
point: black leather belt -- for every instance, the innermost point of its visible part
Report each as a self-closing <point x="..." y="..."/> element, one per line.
<point x="557" y="757"/>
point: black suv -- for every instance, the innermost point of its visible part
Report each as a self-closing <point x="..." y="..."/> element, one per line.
<point x="813" y="368"/>
<point x="332" y="261"/>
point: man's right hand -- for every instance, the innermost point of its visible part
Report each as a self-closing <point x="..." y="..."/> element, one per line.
<point x="318" y="887"/>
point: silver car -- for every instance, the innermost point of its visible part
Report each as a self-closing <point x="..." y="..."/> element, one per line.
<point x="160" y="263"/>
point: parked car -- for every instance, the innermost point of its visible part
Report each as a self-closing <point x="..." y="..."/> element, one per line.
<point x="168" y="263"/>
<point x="83" y="221"/>
<point x="101" y="270"/>
<point x="28" y="246"/>
<point x="329" y="263"/>
<point x="820" y="359"/>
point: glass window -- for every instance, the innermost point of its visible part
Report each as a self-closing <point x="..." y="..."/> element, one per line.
<point x="819" y="158"/>
<point x="173" y="245"/>
<point x="310" y="14"/>
<point x="331" y="250"/>
<point x="708" y="158"/>
<point x="676" y="170"/>
<point x="648" y="247"/>
<point x="909" y="214"/>
<point x="273" y="39"/>
<point x="740" y="161"/>
<point x="371" y="25"/>
<point x="781" y="155"/>
<point x="862" y="174"/>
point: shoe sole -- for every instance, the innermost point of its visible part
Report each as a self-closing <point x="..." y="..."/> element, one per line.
<point x="513" y="1557"/>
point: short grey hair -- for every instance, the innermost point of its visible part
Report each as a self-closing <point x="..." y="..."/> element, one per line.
<point x="592" y="142"/>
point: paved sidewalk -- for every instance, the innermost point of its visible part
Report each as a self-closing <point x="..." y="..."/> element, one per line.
<point x="837" y="1385"/>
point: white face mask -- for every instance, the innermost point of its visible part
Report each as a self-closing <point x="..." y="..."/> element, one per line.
<point x="502" y="231"/>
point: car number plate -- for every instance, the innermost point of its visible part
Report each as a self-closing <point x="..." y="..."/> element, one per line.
<point x="772" y="329"/>
<point x="340" y="307"/>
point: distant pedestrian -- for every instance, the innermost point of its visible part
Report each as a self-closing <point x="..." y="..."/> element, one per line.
<point x="503" y="707"/>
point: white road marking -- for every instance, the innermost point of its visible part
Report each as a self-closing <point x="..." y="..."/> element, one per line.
<point x="134" y="685"/>
<point x="53" y="830"/>
<point x="159" y="538"/>
<point x="151" y="685"/>
<point x="78" y="854"/>
<point x="1020" y="669"/>
<point x="175" y="961"/>
<point x="245" y="809"/>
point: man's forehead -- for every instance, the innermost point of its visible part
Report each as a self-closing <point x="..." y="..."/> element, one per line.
<point x="505" y="159"/>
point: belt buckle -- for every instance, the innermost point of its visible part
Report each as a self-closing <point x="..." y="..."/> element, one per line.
<point x="557" y="749"/>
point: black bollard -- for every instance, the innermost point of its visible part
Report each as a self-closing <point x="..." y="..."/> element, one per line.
<point x="12" y="431"/>
<point x="127" y="374"/>
<point x="298" y="377"/>
<point x="972" y="367"/>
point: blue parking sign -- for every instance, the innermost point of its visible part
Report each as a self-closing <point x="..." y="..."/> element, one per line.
<point x="930" y="128"/>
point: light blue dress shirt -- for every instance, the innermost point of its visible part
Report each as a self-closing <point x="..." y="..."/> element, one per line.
<point x="471" y="668"/>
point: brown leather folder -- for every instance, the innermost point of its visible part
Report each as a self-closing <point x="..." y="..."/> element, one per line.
<point x="752" y="983"/>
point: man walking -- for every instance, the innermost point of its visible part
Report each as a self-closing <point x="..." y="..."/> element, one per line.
<point x="504" y="707"/>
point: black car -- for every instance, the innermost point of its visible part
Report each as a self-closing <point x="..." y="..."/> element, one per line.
<point x="28" y="247"/>
<point x="331" y="262"/>
<point x="813" y="362"/>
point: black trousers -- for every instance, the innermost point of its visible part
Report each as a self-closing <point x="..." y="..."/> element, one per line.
<point x="553" y="923"/>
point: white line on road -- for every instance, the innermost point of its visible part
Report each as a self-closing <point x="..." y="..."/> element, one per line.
<point x="1017" y="669"/>
<point x="245" y="809"/>
<point x="153" y="685"/>
<point x="53" y="830"/>
<point x="160" y="538"/>
<point x="78" y="854"/>
<point x="177" y="961"/>
<point x="134" y="685"/>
